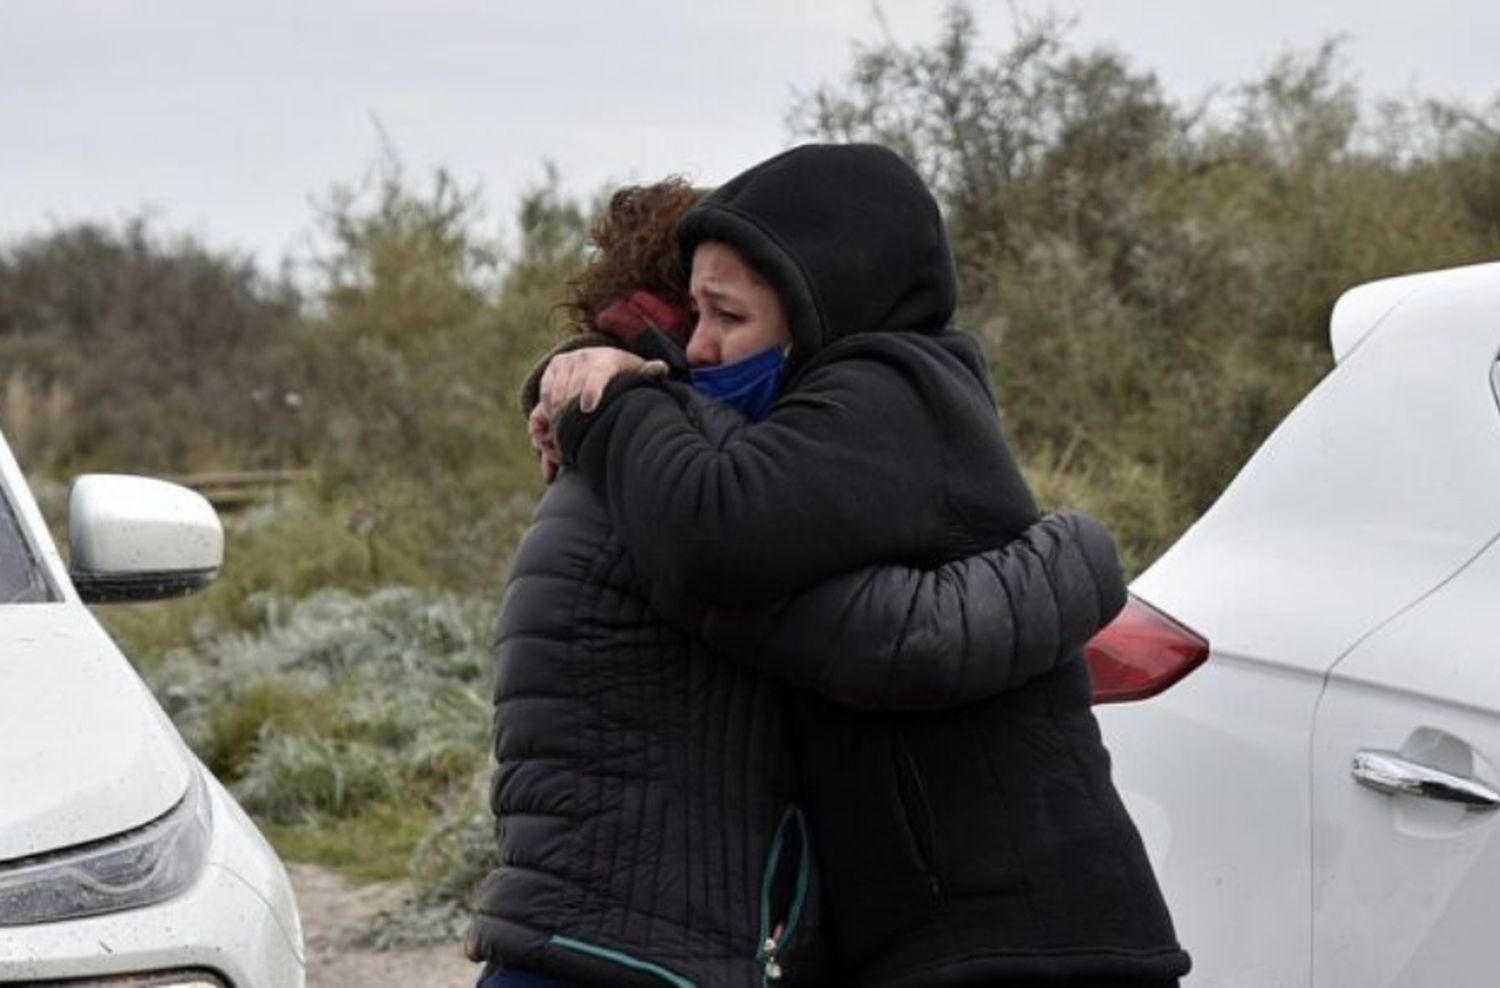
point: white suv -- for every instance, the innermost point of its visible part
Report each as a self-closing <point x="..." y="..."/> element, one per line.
<point x="1321" y="798"/>
<point x="122" y="860"/>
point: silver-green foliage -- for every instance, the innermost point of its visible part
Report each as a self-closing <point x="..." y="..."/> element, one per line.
<point x="335" y="701"/>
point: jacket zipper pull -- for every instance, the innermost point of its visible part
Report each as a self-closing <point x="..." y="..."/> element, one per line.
<point x="768" y="950"/>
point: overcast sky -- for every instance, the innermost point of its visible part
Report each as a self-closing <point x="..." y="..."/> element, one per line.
<point x="226" y="121"/>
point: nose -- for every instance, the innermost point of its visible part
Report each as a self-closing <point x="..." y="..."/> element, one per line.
<point x="702" y="348"/>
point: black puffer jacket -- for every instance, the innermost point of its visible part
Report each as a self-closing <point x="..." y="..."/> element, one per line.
<point x="641" y="780"/>
<point x="644" y="797"/>
<point x="980" y="845"/>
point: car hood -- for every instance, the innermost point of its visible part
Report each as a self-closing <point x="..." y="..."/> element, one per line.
<point x="85" y="751"/>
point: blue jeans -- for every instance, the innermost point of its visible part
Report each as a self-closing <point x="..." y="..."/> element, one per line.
<point x="495" y="977"/>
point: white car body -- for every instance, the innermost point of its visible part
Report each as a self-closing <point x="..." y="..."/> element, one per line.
<point x="87" y="756"/>
<point x="1347" y="581"/>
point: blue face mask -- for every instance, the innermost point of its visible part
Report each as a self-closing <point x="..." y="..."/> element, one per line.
<point x="748" y="385"/>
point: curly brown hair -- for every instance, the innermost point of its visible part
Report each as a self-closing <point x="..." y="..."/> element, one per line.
<point x="634" y="246"/>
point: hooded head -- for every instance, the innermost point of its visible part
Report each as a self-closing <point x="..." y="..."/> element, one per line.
<point x="848" y="236"/>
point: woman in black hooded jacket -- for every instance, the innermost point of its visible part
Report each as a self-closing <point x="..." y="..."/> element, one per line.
<point x="645" y="796"/>
<point x="979" y="844"/>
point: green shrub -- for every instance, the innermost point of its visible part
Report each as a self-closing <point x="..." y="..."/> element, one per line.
<point x="235" y="731"/>
<point x="297" y="779"/>
<point x="373" y="845"/>
<point x="338" y="706"/>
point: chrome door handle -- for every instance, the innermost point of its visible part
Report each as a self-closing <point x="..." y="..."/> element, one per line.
<point x="1388" y="772"/>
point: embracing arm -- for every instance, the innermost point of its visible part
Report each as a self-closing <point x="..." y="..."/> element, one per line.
<point x="892" y="637"/>
<point x="725" y="513"/>
<point x="851" y="468"/>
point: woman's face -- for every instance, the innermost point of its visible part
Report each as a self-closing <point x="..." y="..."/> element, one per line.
<point x="738" y="314"/>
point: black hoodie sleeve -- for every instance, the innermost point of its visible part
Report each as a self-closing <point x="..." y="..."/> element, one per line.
<point x="897" y="637"/>
<point x="853" y="467"/>
<point x="891" y="637"/>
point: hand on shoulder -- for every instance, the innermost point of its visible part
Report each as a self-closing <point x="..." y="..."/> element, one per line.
<point x="580" y="375"/>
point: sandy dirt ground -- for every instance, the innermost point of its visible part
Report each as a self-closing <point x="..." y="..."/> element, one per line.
<point x="334" y="913"/>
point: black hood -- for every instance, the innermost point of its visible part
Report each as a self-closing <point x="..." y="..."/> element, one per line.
<point x="847" y="234"/>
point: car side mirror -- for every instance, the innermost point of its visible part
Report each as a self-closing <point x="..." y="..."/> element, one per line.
<point x="135" y="538"/>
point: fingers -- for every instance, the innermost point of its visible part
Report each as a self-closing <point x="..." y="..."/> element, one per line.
<point x="592" y="388"/>
<point x="539" y="427"/>
<point x="581" y="374"/>
<point x="547" y="449"/>
<point x="584" y="374"/>
<point x="561" y="381"/>
<point x="597" y="376"/>
<point x="556" y="381"/>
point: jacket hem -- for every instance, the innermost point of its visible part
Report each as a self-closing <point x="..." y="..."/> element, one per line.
<point x="623" y="959"/>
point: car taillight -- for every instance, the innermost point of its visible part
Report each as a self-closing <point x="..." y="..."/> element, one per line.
<point x="1141" y="653"/>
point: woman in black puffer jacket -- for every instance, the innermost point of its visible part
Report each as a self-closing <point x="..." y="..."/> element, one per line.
<point x="982" y="844"/>
<point x="645" y="794"/>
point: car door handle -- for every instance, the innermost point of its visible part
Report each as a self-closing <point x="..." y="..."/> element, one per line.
<point x="1388" y="772"/>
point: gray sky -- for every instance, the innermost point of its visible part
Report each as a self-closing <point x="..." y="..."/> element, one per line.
<point x="227" y="120"/>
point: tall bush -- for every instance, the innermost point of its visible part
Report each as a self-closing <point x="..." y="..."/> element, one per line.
<point x="126" y="349"/>
<point x="425" y="330"/>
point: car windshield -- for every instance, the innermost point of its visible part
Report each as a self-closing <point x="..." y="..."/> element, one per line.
<point x="21" y="579"/>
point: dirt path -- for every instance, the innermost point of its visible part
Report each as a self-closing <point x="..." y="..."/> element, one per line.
<point x="335" y="911"/>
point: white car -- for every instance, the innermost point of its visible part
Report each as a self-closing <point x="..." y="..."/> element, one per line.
<point x="122" y="861"/>
<point x="1320" y="796"/>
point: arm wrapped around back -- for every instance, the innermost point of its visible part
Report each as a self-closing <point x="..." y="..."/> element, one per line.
<point x="834" y="546"/>
<point x="892" y="637"/>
